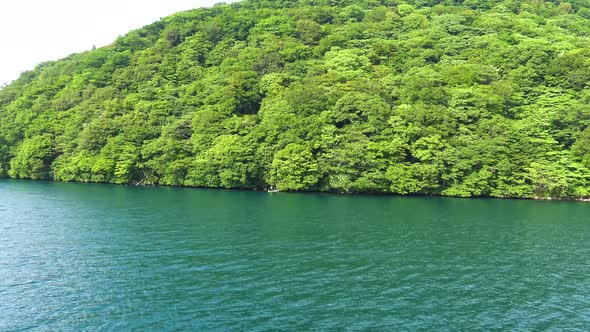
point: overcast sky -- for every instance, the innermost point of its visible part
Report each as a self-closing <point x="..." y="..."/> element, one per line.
<point x="34" y="31"/>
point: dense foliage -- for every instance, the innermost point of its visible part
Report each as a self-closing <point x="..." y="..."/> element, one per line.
<point x="459" y="98"/>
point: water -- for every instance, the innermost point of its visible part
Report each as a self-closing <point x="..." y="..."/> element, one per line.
<point x="96" y="257"/>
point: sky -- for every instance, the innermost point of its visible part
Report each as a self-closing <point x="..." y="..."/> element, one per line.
<point x="35" y="31"/>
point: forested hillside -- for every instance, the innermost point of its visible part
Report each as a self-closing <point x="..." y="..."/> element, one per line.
<point x="459" y="98"/>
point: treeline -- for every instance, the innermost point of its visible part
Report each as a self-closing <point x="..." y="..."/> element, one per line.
<point x="459" y="98"/>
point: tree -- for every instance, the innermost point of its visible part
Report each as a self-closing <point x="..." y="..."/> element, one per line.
<point x="294" y="168"/>
<point x="33" y="158"/>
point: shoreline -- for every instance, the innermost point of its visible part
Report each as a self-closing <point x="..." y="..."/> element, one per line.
<point x="275" y="191"/>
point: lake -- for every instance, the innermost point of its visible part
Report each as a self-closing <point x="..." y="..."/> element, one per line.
<point x="99" y="257"/>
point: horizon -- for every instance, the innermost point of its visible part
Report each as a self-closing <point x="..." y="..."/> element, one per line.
<point x="51" y="37"/>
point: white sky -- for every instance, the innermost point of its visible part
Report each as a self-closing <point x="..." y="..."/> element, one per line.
<point x="34" y="31"/>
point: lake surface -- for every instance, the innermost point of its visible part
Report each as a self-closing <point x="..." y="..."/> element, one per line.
<point x="98" y="257"/>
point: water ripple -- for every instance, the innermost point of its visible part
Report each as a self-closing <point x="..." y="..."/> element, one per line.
<point x="116" y="258"/>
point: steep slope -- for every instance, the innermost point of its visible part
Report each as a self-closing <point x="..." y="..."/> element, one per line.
<point x="471" y="98"/>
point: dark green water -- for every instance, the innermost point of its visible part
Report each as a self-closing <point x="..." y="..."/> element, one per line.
<point x="93" y="257"/>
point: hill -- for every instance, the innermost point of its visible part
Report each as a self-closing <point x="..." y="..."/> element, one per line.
<point x="458" y="98"/>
